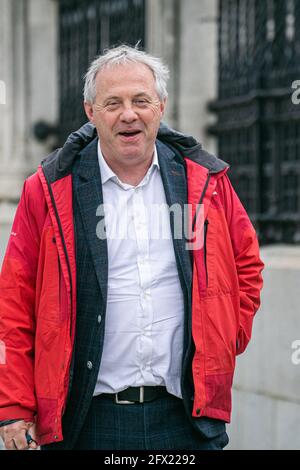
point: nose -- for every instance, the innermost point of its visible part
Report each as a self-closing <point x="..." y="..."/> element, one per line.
<point x="128" y="114"/>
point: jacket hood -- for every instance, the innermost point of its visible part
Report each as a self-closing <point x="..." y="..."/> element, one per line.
<point x="60" y="162"/>
<point x="187" y="146"/>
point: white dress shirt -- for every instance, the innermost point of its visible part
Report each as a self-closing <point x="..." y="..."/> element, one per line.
<point x="143" y="339"/>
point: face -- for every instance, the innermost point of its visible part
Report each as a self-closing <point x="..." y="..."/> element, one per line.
<point x="126" y="112"/>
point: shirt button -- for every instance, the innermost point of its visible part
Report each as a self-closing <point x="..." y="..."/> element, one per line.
<point x="89" y="365"/>
<point x="99" y="318"/>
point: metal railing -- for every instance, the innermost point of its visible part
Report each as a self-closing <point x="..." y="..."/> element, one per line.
<point x="258" y="126"/>
<point x="86" y="28"/>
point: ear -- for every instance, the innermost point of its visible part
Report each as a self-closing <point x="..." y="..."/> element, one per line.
<point x="88" y="107"/>
<point x="163" y="106"/>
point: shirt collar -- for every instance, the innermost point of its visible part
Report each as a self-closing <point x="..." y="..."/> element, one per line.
<point x="108" y="174"/>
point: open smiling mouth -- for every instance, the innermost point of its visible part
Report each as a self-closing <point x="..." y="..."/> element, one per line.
<point x="130" y="135"/>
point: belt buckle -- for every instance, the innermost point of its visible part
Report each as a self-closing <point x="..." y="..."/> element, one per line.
<point x="126" y="402"/>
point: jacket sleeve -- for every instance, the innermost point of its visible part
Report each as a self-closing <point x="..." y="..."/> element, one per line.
<point x="247" y="259"/>
<point x="17" y="319"/>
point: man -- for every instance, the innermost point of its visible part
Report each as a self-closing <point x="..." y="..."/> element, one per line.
<point x="120" y="319"/>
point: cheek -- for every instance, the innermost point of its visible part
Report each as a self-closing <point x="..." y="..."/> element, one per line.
<point x="153" y="115"/>
<point x="106" y="122"/>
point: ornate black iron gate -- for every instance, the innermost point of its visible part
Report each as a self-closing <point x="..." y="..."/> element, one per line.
<point x="258" y="125"/>
<point x="86" y="28"/>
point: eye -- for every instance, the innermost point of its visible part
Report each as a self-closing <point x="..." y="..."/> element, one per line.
<point x="112" y="105"/>
<point x="141" y="102"/>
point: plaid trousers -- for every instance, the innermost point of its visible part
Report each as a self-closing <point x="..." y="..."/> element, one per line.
<point x="157" y="425"/>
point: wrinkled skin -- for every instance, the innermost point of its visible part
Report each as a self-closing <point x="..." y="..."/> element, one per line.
<point x="14" y="436"/>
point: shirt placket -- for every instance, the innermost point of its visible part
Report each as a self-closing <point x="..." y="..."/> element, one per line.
<point x="145" y="313"/>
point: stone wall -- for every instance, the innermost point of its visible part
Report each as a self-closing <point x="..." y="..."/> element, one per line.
<point x="266" y="398"/>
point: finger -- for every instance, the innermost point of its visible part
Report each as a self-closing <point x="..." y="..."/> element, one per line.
<point x="33" y="445"/>
<point x="31" y="441"/>
<point x="15" y="445"/>
<point x="32" y="437"/>
<point x="13" y="435"/>
<point x="20" y="441"/>
<point x="11" y="445"/>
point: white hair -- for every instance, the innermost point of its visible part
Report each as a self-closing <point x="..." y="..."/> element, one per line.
<point x="122" y="55"/>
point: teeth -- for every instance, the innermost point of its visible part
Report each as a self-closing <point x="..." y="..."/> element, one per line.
<point x="129" y="133"/>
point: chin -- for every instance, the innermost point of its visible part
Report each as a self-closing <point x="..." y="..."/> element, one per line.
<point x="130" y="155"/>
<point x="131" y="152"/>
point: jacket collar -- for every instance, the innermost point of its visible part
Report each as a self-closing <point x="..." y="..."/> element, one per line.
<point x="87" y="189"/>
<point x="60" y="163"/>
<point x="173" y="176"/>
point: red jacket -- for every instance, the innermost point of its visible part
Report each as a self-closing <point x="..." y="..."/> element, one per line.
<point x="38" y="295"/>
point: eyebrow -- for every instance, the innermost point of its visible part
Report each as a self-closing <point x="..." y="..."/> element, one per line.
<point x="142" y="94"/>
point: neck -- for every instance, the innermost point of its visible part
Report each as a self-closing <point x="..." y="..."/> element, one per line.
<point x="132" y="173"/>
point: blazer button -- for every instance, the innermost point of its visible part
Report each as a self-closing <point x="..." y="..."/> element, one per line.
<point x="89" y="365"/>
<point x="99" y="318"/>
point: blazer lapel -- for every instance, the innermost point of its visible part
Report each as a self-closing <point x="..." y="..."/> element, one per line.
<point x="88" y="190"/>
<point x="175" y="186"/>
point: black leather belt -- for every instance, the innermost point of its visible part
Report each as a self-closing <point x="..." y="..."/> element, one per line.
<point x="137" y="395"/>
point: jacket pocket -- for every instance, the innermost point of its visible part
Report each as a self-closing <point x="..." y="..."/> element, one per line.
<point x="48" y="290"/>
<point x="207" y="260"/>
<point x="206" y="223"/>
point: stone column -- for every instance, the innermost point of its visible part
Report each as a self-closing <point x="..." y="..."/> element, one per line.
<point x="162" y="40"/>
<point x="13" y="119"/>
<point x="43" y="24"/>
<point x="184" y="34"/>
<point x="199" y="68"/>
<point x="28" y="67"/>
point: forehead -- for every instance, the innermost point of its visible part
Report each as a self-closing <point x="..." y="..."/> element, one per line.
<point x="118" y="78"/>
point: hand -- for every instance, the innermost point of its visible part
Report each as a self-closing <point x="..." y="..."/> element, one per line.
<point x="14" y="436"/>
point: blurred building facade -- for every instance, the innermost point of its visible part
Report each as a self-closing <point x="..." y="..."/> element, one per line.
<point x="215" y="94"/>
<point x="28" y="67"/>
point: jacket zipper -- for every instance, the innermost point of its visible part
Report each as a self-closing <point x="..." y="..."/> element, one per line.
<point x="64" y="248"/>
<point x="193" y="227"/>
<point x="71" y="284"/>
<point x="200" y="201"/>
<point x="206" y="222"/>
